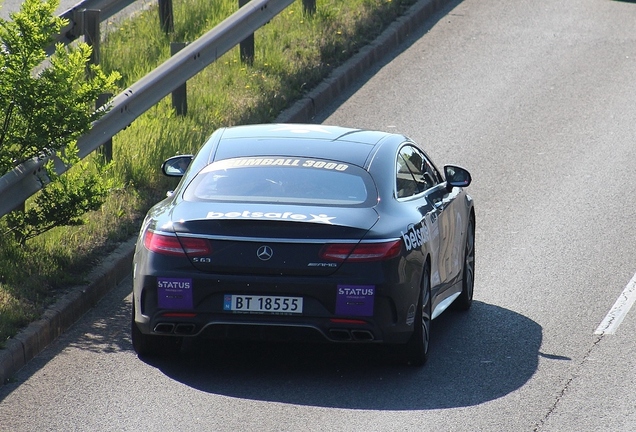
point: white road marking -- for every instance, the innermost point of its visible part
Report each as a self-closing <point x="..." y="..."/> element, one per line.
<point x="623" y="304"/>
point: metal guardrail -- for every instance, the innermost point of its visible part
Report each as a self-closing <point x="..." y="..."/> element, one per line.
<point x="29" y="177"/>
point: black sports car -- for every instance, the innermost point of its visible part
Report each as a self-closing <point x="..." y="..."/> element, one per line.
<point x="304" y="232"/>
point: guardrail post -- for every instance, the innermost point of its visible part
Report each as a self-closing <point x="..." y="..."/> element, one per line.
<point x="106" y="150"/>
<point x="309" y="7"/>
<point x="91" y="32"/>
<point x="179" y="95"/>
<point x="22" y="206"/>
<point x="246" y="46"/>
<point x="78" y="24"/>
<point x="166" y="18"/>
<point x="92" y="37"/>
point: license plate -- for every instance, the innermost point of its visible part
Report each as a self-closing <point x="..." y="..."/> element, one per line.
<point x="263" y="304"/>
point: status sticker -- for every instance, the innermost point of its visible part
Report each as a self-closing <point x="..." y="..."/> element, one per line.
<point x="174" y="293"/>
<point x="355" y="300"/>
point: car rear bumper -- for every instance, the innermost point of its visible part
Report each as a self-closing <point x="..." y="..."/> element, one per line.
<point x="379" y="328"/>
<point x="378" y="307"/>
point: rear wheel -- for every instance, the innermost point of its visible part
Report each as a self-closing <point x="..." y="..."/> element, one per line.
<point x="465" y="299"/>
<point x="152" y="345"/>
<point x="417" y="346"/>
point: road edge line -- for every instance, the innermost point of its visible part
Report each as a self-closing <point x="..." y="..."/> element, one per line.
<point x="619" y="311"/>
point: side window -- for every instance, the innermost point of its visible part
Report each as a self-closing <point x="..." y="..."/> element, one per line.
<point x="415" y="173"/>
<point x="405" y="182"/>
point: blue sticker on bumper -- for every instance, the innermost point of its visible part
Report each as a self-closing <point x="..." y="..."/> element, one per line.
<point x="355" y="300"/>
<point x="174" y="293"/>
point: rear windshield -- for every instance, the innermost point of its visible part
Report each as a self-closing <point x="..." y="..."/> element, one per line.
<point x="283" y="180"/>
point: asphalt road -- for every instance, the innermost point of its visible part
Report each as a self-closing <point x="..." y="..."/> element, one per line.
<point x="538" y="101"/>
<point x="9" y="6"/>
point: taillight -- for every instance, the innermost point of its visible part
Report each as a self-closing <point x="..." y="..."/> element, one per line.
<point x="361" y="252"/>
<point x="195" y="246"/>
<point x="171" y="245"/>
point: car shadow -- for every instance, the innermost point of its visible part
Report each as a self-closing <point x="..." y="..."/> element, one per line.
<point x="476" y="357"/>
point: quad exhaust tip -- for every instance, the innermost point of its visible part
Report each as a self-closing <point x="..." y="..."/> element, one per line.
<point x="179" y="328"/>
<point x="164" y="328"/>
<point x="184" y="329"/>
<point x="351" y="335"/>
<point x="362" y="335"/>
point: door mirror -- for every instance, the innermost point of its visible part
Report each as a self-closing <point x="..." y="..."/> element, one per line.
<point x="457" y="176"/>
<point x="176" y="166"/>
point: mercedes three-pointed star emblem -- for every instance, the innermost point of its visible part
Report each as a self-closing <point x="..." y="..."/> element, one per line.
<point x="264" y="253"/>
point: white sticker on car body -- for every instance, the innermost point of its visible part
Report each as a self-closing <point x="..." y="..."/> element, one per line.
<point x="415" y="237"/>
<point x="246" y="214"/>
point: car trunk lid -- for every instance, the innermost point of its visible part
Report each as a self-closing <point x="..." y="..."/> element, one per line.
<point x="269" y="239"/>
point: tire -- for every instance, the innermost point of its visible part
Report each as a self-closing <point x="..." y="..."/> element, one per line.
<point x="465" y="299"/>
<point x="152" y="345"/>
<point x="418" y="344"/>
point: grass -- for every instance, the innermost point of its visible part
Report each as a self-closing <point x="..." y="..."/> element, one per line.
<point x="293" y="53"/>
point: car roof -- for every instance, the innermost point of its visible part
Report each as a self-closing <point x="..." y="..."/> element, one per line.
<point x="305" y="140"/>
